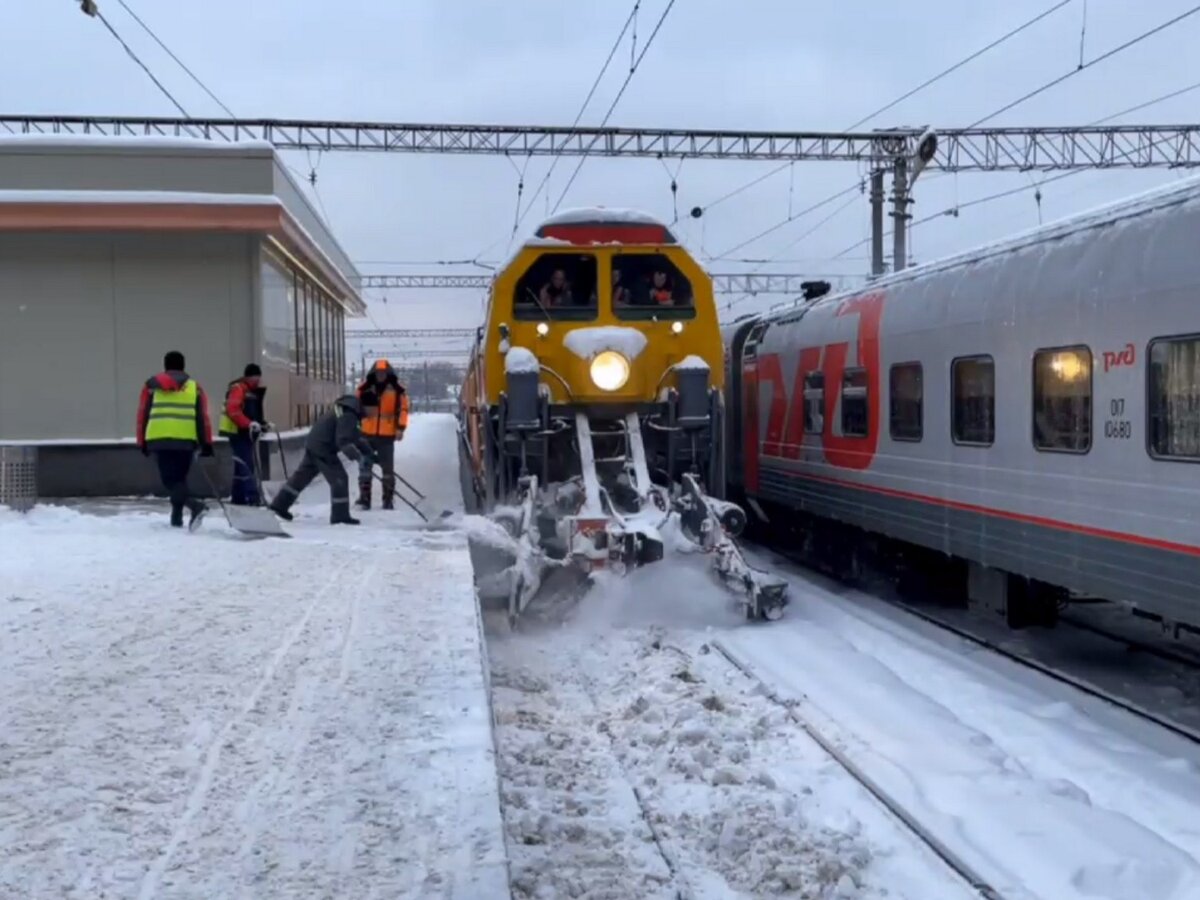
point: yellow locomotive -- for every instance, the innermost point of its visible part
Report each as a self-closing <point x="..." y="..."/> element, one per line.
<point x="591" y="413"/>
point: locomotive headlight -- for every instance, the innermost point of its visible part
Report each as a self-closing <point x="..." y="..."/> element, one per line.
<point x="610" y="371"/>
<point x="542" y="329"/>
<point x="676" y="328"/>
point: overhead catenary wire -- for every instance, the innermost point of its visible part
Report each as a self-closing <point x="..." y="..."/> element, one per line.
<point x="145" y="68"/>
<point x="628" y="78"/>
<point x="1148" y="103"/>
<point x="1108" y="54"/>
<point x="905" y="96"/>
<point x="629" y="20"/>
<point x="204" y="87"/>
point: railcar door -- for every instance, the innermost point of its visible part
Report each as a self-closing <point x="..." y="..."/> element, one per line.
<point x="750" y="418"/>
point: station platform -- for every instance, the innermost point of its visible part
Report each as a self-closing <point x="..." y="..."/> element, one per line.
<point x="202" y="715"/>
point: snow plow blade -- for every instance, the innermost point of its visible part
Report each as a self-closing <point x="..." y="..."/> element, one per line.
<point x="256" y="521"/>
<point x="713" y="524"/>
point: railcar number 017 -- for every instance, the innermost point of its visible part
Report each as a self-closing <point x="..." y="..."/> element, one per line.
<point x="1117" y="427"/>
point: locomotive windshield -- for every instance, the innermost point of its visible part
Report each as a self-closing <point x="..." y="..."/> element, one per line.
<point x="558" y="286"/>
<point x="650" y="286"/>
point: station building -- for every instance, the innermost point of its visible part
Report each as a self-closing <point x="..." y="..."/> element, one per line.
<point x="114" y="251"/>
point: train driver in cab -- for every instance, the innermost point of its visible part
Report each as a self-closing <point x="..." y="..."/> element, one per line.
<point x="557" y="291"/>
<point x="660" y="289"/>
<point x="621" y="295"/>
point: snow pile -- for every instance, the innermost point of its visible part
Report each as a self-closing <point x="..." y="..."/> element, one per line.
<point x="587" y="343"/>
<point x="140" y="142"/>
<point x="615" y="742"/>
<point x="692" y="363"/>
<point x="520" y="360"/>
<point x="198" y="198"/>
<point x="701" y="755"/>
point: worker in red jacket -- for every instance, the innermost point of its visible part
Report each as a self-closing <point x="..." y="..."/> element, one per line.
<point x="242" y="422"/>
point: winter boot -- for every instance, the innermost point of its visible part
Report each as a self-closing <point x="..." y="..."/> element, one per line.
<point x="341" y="516"/>
<point x="176" y="516"/>
<point x="280" y="510"/>
<point x="388" y="494"/>
<point x="364" y="495"/>
<point x="197" y="509"/>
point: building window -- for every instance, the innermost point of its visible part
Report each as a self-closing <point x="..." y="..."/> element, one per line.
<point x="906" y="389"/>
<point x="278" y="314"/>
<point x="974" y="413"/>
<point x="301" y="324"/>
<point x="855" y="417"/>
<point x="649" y="286"/>
<point x="814" y="403"/>
<point x="1062" y="399"/>
<point x="1174" y="398"/>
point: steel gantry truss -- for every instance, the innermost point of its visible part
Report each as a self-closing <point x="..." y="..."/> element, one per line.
<point x="963" y="149"/>
<point x="375" y="333"/>
<point x="725" y="283"/>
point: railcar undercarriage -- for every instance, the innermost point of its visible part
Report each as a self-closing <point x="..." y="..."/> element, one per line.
<point x="608" y="487"/>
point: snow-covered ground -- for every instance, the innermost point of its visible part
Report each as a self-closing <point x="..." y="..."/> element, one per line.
<point x="1049" y="793"/>
<point x="625" y="708"/>
<point x="206" y="716"/>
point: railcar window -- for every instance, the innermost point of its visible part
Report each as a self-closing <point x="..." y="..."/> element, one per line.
<point x="907" y="398"/>
<point x="1174" y="407"/>
<point x="1062" y="399"/>
<point x="814" y="403"/>
<point x="974" y="413"/>
<point x="650" y="286"/>
<point x="855" y="421"/>
<point x="558" y="286"/>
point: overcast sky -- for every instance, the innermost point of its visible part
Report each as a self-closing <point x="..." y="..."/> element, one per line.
<point x="756" y="64"/>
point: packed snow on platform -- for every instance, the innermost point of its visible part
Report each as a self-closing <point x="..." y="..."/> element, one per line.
<point x="199" y="715"/>
<point x="627" y="696"/>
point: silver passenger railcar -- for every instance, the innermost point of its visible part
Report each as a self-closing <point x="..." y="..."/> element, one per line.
<point x="1024" y="417"/>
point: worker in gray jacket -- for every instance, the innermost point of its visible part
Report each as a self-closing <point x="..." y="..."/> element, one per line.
<point x="336" y="431"/>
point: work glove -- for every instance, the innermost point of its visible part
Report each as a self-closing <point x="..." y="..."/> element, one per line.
<point x="255" y="429"/>
<point x="145" y="450"/>
<point x="206" y="451"/>
<point x="269" y="426"/>
<point x="399" y="434"/>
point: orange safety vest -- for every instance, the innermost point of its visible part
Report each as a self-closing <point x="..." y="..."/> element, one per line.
<point x="389" y="416"/>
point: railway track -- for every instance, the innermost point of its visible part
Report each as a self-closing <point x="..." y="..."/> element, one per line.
<point x="1053" y="672"/>
<point x="960" y="867"/>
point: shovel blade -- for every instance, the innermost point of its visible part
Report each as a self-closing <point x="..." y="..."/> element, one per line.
<point x="256" y="520"/>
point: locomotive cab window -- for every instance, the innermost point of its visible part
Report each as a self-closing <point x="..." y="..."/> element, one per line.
<point x="974" y="404"/>
<point x="855" y="421"/>
<point x="1062" y="399"/>
<point x="557" y="286"/>
<point x="907" y="397"/>
<point x="1174" y="398"/>
<point x="650" y="286"/>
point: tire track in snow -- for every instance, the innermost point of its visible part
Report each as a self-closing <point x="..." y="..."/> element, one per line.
<point x="212" y="756"/>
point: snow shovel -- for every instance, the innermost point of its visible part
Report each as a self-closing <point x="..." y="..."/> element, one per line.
<point x="422" y="500"/>
<point x="257" y="521"/>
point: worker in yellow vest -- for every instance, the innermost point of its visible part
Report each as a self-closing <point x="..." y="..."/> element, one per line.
<point x="172" y="422"/>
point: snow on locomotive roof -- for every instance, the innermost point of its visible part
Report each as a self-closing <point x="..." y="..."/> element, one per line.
<point x="588" y="215"/>
<point x="1067" y="227"/>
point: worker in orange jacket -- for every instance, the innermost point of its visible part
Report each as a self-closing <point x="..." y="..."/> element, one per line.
<point x="385" y="417"/>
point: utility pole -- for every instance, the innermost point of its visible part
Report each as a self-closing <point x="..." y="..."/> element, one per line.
<point x="876" y="223"/>
<point x="900" y="216"/>
<point x="902" y="183"/>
